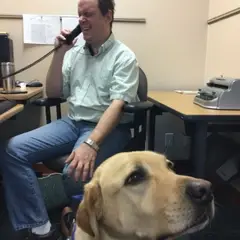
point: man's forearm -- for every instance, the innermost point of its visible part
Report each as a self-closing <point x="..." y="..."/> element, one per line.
<point x="54" y="76"/>
<point x="108" y="121"/>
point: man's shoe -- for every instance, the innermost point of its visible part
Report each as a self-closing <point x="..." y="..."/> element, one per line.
<point x="54" y="234"/>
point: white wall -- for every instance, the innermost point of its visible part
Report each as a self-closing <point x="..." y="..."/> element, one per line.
<point x="223" y="45"/>
<point x="217" y="7"/>
<point x="171" y="46"/>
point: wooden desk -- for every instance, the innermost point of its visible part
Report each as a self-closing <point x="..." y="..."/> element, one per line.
<point x="22" y="99"/>
<point x="11" y="112"/>
<point x="32" y="92"/>
<point x="198" y="122"/>
<point x="182" y="104"/>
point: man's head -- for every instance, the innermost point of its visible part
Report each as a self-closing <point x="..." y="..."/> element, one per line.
<point x="95" y="18"/>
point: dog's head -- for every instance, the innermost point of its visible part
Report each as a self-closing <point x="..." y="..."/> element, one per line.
<point x="137" y="194"/>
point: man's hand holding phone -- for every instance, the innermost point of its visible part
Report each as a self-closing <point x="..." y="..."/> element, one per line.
<point x="62" y="37"/>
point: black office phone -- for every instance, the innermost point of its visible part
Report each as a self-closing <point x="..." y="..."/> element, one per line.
<point x="75" y="32"/>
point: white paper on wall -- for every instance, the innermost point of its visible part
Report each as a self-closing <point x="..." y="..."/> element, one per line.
<point x="40" y="29"/>
<point x="69" y="22"/>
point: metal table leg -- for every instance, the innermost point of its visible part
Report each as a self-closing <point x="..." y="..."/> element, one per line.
<point x="151" y="129"/>
<point x="198" y="149"/>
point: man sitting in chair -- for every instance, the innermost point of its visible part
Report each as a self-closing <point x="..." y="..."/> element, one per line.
<point x="97" y="88"/>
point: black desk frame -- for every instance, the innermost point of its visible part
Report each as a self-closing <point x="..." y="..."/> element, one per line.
<point x="25" y="102"/>
<point x="197" y="127"/>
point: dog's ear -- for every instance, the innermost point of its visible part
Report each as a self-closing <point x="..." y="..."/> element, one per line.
<point x="90" y="209"/>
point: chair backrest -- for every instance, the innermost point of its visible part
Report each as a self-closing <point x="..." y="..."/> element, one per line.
<point x="143" y="86"/>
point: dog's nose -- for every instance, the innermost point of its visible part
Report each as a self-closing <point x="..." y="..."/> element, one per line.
<point x="200" y="191"/>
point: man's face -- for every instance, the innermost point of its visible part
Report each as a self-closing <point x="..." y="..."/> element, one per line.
<point x="94" y="25"/>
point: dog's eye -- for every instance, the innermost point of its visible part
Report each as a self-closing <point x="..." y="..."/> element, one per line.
<point x="170" y="165"/>
<point x="136" y="177"/>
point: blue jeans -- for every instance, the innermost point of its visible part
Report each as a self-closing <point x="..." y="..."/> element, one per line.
<point x="23" y="197"/>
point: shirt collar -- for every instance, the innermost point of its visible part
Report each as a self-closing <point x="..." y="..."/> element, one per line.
<point x="105" y="46"/>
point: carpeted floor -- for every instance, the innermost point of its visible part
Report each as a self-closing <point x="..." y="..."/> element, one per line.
<point x="6" y="230"/>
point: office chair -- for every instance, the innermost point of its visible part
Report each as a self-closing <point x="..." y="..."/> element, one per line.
<point x="138" y="125"/>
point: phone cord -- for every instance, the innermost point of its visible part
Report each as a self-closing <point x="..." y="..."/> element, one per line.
<point x="32" y="64"/>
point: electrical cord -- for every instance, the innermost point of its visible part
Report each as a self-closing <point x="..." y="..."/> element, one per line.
<point x="39" y="60"/>
<point x="25" y="68"/>
<point x="32" y="64"/>
<point x="69" y="39"/>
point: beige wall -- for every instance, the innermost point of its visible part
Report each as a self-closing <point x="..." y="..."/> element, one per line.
<point x="217" y="7"/>
<point x="171" y="46"/>
<point x="223" y="45"/>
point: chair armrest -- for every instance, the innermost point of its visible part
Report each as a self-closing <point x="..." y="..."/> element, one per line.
<point x="137" y="107"/>
<point x="48" y="102"/>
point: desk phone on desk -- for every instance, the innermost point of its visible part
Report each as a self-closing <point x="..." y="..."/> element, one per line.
<point x="220" y="93"/>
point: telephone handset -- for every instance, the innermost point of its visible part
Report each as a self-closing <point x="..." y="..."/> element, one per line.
<point x="74" y="33"/>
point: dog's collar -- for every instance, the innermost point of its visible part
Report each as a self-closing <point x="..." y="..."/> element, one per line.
<point x="73" y="232"/>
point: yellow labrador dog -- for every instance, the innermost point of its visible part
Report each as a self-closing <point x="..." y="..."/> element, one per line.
<point x="136" y="195"/>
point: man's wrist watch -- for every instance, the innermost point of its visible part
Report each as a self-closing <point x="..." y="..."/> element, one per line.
<point x="92" y="144"/>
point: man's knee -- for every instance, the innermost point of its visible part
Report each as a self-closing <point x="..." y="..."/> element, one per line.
<point x="14" y="147"/>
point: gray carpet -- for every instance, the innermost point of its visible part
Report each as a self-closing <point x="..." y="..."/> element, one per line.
<point x="6" y="230"/>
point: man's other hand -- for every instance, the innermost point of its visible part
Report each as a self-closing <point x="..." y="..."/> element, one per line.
<point x="81" y="162"/>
